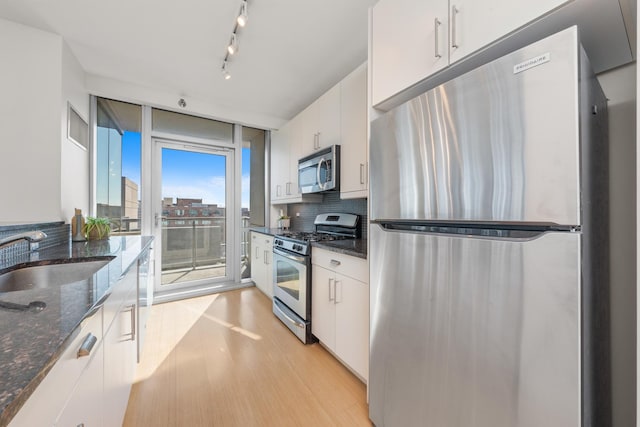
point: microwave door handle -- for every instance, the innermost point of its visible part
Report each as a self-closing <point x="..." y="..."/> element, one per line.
<point x="321" y="184"/>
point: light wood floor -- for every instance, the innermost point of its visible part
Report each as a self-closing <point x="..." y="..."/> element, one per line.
<point x="225" y="360"/>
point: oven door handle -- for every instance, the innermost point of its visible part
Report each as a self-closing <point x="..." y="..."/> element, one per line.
<point x="286" y="255"/>
<point x="294" y="321"/>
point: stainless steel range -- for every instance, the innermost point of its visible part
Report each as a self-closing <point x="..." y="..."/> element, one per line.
<point x="292" y="269"/>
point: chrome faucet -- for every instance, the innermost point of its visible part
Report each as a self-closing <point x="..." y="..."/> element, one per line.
<point x="33" y="237"/>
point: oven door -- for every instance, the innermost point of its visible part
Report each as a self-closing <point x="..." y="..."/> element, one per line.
<point x="290" y="281"/>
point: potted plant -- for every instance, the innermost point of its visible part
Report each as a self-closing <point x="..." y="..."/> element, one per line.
<point x="284" y="222"/>
<point x="96" y="228"/>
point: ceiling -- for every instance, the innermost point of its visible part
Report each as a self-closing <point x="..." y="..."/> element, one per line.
<point x="290" y="52"/>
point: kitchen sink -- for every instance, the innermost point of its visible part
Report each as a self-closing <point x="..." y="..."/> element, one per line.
<point x="40" y="276"/>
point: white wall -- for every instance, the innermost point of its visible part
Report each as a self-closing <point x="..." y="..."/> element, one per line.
<point x="74" y="184"/>
<point x="30" y="166"/>
<point x="619" y="86"/>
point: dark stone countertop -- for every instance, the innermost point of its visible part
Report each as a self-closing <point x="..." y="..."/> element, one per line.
<point x="267" y="230"/>
<point x="353" y="247"/>
<point x="32" y="342"/>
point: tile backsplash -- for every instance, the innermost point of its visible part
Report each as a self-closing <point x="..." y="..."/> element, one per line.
<point x="57" y="233"/>
<point x="331" y="202"/>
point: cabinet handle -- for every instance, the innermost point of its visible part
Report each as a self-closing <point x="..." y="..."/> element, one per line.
<point x="315" y="141"/>
<point x="278" y="190"/>
<point x="335" y="262"/>
<point x="266" y="260"/>
<point x="87" y="345"/>
<point x="318" y="139"/>
<point x="361" y="173"/>
<point x="335" y="291"/>
<point x="454" y="13"/>
<point x="436" y="25"/>
<point x="288" y="188"/>
<point x="257" y="252"/>
<point x="132" y="309"/>
<point x="330" y="299"/>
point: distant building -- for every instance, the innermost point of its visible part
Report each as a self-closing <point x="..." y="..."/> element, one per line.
<point x="190" y="208"/>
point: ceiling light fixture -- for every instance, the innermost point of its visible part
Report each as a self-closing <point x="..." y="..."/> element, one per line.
<point x="233" y="44"/>
<point x="232" y="47"/>
<point x="225" y="72"/>
<point x="243" y="17"/>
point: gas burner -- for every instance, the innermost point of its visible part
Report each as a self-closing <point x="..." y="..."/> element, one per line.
<point x="310" y="236"/>
<point x="328" y="227"/>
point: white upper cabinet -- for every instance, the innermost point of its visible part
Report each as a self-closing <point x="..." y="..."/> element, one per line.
<point x="414" y="39"/>
<point x="321" y="122"/>
<point x="353" y="149"/>
<point x="409" y="42"/>
<point x="286" y="149"/>
<point x="474" y="24"/>
<point x="280" y="140"/>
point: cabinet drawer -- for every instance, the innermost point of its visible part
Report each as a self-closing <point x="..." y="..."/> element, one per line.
<point x="49" y="397"/>
<point x="356" y="268"/>
<point x="121" y="289"/>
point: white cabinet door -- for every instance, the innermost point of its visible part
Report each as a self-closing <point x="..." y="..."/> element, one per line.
<point x="279" y="163"/>
<point x="292" y="191"/>
<point x="261" y="262"/>
<point x="352" y="323"/>
<point x="475" y="24"/>
<point x="320" y="122"/>
<point x="409" y="43"/>
<point x="84" y="407"/>
<point x="120" y="355"/>
<point x="327" y="118"/>
<point x="49" y="398"/>
<point x="323" y="308"/>
<point x="353" y="150"/>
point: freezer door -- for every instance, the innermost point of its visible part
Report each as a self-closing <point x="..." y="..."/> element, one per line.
<point x="474" y="331"/>
<point x="498" y="144"/>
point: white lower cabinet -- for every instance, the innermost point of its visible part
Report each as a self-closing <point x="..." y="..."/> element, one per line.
<point x="340" y="307"/>
<point x="261" y="262"/>
<point x="120" y="353"/>
<point x="91" y="390"/>
<point x="52" y="395"/>
<point x="84" y="407"/>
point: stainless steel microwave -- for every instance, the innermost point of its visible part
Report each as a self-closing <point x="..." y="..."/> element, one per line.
<point x="320" y="171"/>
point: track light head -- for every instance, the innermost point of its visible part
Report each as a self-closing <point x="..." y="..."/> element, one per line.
<point x="243" y="17"/>
<point x="225" y="71"/>
<point x="233" y="44"/>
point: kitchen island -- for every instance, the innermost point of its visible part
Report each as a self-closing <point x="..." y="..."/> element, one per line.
<point x="32" y="342"/>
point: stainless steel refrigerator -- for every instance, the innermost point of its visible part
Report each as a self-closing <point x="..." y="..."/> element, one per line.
<point x="489" y="248"/>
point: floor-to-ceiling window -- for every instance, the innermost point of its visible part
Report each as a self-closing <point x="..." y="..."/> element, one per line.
<point x="118" y="165"/>
<point x="204" y="187"/>
<point x="253" y="212"/>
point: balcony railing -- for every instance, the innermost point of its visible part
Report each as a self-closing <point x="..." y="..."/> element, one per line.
<point x="193" y="243"/>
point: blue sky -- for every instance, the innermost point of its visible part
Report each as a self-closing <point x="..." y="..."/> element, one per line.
<point x="186" y="174"/>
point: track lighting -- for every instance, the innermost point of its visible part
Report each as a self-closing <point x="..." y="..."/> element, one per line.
<point x="243" y="17"/>
<point x="232" y="47"/>
<point x="233" y="44"/>
<point x="225" y="72"/>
